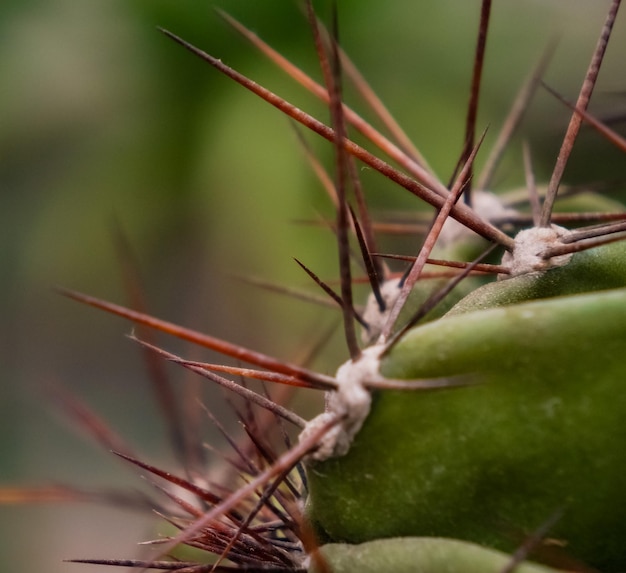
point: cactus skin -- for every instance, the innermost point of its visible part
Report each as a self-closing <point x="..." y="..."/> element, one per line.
<point x="418" y="555"/>
<point x="541" y="431"/>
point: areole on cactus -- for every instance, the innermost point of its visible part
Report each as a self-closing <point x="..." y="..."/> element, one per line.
<point x="477" y="425"/>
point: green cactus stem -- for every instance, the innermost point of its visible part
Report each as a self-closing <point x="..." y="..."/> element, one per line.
<point x="419" y="555"/>
<point x="540" y="431"/>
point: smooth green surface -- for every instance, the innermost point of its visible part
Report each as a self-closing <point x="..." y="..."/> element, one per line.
<point x="418" y="555"/>
<point x="542" y="431"/>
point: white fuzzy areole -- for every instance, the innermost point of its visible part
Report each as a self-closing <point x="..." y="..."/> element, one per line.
<point x="485" y="204"/>
<point x="530" y="245"/>
<point x="351" y="402"/>
<point x="375" y="320"/>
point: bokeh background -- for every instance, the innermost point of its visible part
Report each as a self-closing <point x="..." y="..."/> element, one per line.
<point x="105" y="123"/>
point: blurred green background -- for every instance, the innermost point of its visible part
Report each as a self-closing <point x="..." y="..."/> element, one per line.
<point x="104" y="121"/>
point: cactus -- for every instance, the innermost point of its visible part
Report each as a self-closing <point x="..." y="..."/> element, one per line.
<point x="477" y="425"/>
